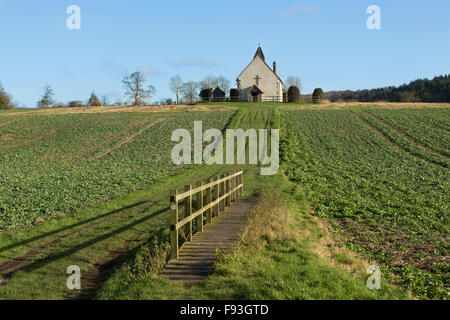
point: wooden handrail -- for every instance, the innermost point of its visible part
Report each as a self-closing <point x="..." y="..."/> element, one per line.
<point x="212" y="198"/>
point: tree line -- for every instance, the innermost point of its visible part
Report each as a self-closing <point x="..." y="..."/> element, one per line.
<point x="138" y="92"/>
<point x="422" y="90"/>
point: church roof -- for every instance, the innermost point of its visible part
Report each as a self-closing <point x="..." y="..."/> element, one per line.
<point x="259" y="53"/>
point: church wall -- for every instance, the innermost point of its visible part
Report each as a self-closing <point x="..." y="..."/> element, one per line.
<point x="269" y="83"/>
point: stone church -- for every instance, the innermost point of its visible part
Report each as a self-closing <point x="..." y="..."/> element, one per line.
<point x="258" y="82"/>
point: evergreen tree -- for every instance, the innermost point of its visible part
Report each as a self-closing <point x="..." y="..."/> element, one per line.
<point x="94" y="101"/>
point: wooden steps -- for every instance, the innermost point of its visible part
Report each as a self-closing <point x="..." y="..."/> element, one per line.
<point x="197" y="258"/>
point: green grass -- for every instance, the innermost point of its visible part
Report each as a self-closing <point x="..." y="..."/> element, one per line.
<point x="386" y="196"/>
<point x="280" y="269"/>
<point x="266" y="266"/>
<point x="89" y="237"/>
<point x="138" y="180"/>
<point x="52" y="164"/>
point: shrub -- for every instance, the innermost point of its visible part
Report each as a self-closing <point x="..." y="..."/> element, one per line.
<point x="234" y="95"/>
<point x="94" y="101"/>
<point x="317" y="95"/>
<point x="75" y="104"/>
<point x="5" y="99"/>
<point x="294" y="94"/>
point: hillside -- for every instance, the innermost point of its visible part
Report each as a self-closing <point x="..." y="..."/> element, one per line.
<point x="358" y="183"/>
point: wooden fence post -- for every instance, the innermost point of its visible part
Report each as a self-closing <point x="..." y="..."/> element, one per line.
<point x="234" y="185"/>
<point x="228" y="189"/>
<point x="188" y="212"/>
<point x="216" y="196"/>
<point x="208" y="201"/>
<point x="173" y="224"/>
<point x="241" y="181"/>
<point x="199" y="207"/>
<point x="223" y="191"/>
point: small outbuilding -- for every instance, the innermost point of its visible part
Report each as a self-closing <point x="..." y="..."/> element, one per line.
<point x="218" y="95"/>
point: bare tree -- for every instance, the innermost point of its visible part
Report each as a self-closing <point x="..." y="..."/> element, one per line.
<point x="190" y="91"/>
<point x="293" y="81"/>
<point x="47" y="98"/>
<point x="105" y="100"/>
<point x="136" y="89"/>
<point x="210" y="82"/>
<point x="176" y="85"/>
<point x="224" y="84"/>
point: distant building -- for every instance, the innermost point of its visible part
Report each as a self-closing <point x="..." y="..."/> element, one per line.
<point x="258" y="82"/>
<point x="218" y="95"/>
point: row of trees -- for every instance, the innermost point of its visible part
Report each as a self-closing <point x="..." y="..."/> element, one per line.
<point x="139" y="92"/>
<point x="423" y="90"/>
<point x="189" y="91"/>
<point x="47" y="101"/>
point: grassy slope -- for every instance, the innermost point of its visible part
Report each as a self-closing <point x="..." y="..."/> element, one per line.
<point x="134" y="219"/>
<point x="57" y="163"/>
<point x="386" y="196"/>
<point x="306" y="266"/>
<point x="34" y="260"/>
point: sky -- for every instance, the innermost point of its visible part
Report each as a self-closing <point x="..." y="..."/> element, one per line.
<point x="326" y="43"/>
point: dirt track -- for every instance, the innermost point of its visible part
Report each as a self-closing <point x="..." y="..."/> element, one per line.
<point x="144" y="109"/>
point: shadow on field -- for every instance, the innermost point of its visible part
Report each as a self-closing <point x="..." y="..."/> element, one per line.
<point x="75" y="225"/>
<point x="53" y="257"/>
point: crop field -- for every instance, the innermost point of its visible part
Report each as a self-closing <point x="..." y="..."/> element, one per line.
<point x="95" y="187"/>
<point x="52" y="164"/>
<point x="381" y="178"/>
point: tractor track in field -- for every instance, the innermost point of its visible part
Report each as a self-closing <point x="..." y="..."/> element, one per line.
<point x="406" y="136"/>
<point x="392" y="143"/>
<point x="108" y="140"/>
<point x="8" y="122"/>
<point x="127" y="140"/>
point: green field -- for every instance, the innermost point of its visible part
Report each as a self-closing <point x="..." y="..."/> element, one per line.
<point x="95" y="187"/>
<point x="385" y="194"/>
<point x="53" y="164"/>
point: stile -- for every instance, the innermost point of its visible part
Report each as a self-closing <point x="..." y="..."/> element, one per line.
<point x="212" y="199"/>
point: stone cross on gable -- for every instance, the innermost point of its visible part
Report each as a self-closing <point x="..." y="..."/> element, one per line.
<point x="257" y="80"/>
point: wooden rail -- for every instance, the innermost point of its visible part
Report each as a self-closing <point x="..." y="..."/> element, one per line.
<point x="211" y="198"/>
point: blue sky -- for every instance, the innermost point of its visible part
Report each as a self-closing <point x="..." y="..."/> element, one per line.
<point x="325" y="43"/>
